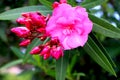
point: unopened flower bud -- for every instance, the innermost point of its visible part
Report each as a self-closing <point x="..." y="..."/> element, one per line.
<point x="54" y="41"/>
<point x="46" y="56"/>
<point x="28" y="23"/>
<point x="25" y="42"/>
<point x="46" y="50"/>
<point x="41" y="30"/>
<point x="37" y="19"/>
<point x="35" y="50"/>
<point x="55" y="4"/>
<point x="21" y="20"/>
<point x="63" y="1"/>
<point x="21" y="31"/>
<point x="26" y="15"/>
<point x="57" y="52"/>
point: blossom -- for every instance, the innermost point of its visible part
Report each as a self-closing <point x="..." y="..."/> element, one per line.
<point x="70" y="25"/>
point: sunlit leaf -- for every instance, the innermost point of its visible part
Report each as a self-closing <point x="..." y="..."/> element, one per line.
<point x="105" y="28"/>
<point x="90" y="4"/>
<point x="15" y="13"/>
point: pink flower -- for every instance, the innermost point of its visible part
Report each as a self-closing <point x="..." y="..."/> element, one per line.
<point x="70" y="25"/>
<point x="21" y="31"/>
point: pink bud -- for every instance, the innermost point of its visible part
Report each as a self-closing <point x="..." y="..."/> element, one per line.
<point x="41" y="30"/>
<point x="28" y="23"/>
<point x="54" y="41"/>
<point x="21" y="20"/>
<point x="46" y="50"/>
<point x="46" y="56"/>
<point x="25" y="42"/>
<point x="57" y="53"/>
<point x="35" y="50"/>
<point x="63" y="1"/>
<point x="37" y="19"/>
<point x="55" y="4"/>
<point x="26" y="15"/>
<point x="21" y="31"/>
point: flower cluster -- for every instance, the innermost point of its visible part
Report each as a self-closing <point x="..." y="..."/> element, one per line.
<point x="35" y="24"/>
<point x="51" y="48"/>
<point x="68" y="28"/>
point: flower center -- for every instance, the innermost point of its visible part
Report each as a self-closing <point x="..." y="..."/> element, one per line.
<point x="68" y="29"/>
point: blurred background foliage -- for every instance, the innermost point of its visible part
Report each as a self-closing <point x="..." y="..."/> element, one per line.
<point x="81" y="66"/>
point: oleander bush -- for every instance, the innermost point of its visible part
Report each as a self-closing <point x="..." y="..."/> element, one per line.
<point x="67" y="57"/>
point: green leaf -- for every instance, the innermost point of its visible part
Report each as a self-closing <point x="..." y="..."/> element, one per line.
<point x="46" y="3"/>
<point x="71" y="2"/>
<point x="98" y="55"/>
<point x="61" y="66"/>
<point x="90" y="4"/>
<point x="15" y="13"/>
<point x="17" y="52"/>
<point x="34" y="43"/>
<point x="103" y="50"/>
<point x="12" y="63"/>
<point x="105" y="28"/>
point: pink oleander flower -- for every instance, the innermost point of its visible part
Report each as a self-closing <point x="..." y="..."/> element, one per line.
<point x="70" y="25"/>
<point x="21" y="31"/>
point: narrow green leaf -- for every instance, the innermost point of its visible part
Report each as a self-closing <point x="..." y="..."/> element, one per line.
<point x="46" y="3"/>
<point x="17" y="51"/>
<point x="105" y="28"/>
<point x="34" y="43"/>
<point x="10" y="64"/>
<point x="61" y="66"/>
<point x="90" y="4"/>
<point x="15" y="13"/>
<point x="103" y="50"/>
<point x="97" y="55"/>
